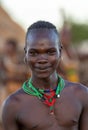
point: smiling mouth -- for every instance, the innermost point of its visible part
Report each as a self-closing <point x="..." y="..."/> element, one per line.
<point x="42" y="68"/>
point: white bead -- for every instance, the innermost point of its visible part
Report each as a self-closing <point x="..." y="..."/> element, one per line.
<point x="58" y="95"/>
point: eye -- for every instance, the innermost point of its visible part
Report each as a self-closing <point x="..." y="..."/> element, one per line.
<point x="33" y="53"/>
<point x="51" y="52"/>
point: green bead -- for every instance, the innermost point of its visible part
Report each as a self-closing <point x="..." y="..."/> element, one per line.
<point x="31" y="90"/>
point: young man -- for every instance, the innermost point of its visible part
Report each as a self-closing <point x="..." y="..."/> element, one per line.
<point x="46" y="101"/>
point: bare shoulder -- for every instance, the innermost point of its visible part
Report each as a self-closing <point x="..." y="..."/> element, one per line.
<point x="13" y="98"/>
<point x="76" y="86"/>
<point x="11" y="104"/>
<point x="80" y="91"/>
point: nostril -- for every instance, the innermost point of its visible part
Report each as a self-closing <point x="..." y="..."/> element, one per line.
<point x="42" y="58"/>
<point x="42" y="61"/>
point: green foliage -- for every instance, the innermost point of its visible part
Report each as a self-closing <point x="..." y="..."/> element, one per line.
<point x="79" y="32"/>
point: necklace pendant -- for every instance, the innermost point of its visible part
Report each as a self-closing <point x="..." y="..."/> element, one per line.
<point x="58" y="95"/>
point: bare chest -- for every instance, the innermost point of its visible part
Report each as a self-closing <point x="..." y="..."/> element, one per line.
<point x="36" y="114"/>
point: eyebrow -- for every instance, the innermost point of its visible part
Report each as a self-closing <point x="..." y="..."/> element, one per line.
<point x="51" y="48"/>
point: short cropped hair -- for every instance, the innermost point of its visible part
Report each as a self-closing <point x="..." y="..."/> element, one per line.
<point x="42" y="25"/>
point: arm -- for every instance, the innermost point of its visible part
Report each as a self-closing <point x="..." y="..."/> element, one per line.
<point x="9" y="115"/>
<point x="84" y="116"/>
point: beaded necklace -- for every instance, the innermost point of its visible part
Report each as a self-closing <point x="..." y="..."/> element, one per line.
<point x="48" y="99"/>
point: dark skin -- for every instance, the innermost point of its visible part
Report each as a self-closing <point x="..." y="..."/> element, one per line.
<point x="25" y="112"/>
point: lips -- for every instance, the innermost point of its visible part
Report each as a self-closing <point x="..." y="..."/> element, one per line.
<point x="43" y="68"/>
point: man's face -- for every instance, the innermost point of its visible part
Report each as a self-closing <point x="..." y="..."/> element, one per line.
<point x="42" y="52"/>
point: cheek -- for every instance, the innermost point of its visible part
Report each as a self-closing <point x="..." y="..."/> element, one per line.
<point x="55" y="61"/>
<point x="30" y="61"/>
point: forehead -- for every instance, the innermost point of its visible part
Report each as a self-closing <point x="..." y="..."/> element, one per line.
<point x="41" y="37"/>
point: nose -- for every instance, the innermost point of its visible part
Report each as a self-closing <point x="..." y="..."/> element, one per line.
<point x="42" y="59"/>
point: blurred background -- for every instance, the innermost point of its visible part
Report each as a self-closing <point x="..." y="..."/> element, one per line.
<point x="71" y="19"/>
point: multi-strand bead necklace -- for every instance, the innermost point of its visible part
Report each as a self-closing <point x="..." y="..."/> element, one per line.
<point x="47" y="96"/>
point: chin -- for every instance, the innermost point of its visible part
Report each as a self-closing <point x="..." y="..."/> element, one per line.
<point x="43" y="75"/>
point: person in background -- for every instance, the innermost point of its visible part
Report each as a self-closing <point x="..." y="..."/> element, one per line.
<point x="69" y="66"/>
<point x="16" y="72"/>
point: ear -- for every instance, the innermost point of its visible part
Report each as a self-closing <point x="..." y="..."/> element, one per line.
<point x="25" y="50"/>
<point x="61" y="47"/>
<point x="60" y="52"/>
<point x="25" y="60"/>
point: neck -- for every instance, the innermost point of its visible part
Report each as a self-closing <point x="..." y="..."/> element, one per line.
<point x="45" y="83"/>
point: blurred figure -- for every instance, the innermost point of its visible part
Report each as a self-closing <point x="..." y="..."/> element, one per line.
<point x="16" y="72"/>
<point x="68" y="66"/>
<point x="82" y="51"/>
